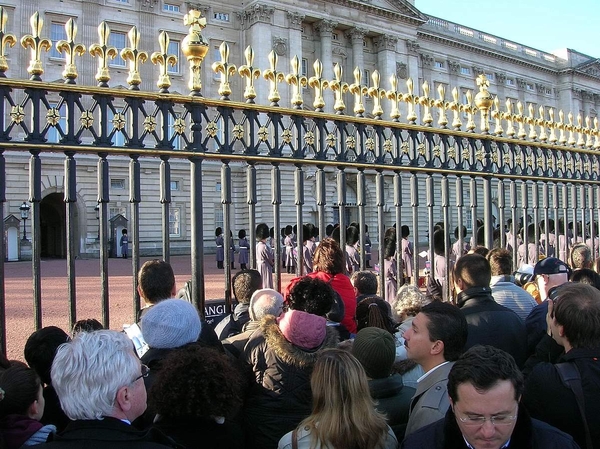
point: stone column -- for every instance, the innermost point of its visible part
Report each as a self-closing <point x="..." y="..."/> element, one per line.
<point x="257" y="25"/>
<point x="357" y="37"/>
<point x="325" y="29"/>
<point x="386" y="58"/>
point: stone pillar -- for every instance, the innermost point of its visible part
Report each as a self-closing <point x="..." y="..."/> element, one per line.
<point x="257" y="25"/>
<point x="325" y="29"/>
<point x="386" y="58"/>
<point x="357" y="37"/>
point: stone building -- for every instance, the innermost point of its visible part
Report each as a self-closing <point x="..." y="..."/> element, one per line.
<point x="391" y="36"/>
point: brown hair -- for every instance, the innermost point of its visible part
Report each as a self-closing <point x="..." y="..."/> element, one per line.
<point x="329" y="257"/>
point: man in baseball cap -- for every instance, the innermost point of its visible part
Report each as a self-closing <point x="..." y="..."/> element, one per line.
<point x="548" y="273"/>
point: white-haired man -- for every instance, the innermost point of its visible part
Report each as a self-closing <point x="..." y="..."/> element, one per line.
<point x="265" y="301"/>
<point x="99" y="381"/>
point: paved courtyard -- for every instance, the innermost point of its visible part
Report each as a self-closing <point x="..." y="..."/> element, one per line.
<point x="55" y="306"/>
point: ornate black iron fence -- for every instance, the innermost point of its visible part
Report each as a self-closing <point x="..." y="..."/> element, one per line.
<point x="517" y="163"/>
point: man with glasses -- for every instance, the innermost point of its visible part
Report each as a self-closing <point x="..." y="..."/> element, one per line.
<point x="99" y="381"/>
<point x="485" y="388"/>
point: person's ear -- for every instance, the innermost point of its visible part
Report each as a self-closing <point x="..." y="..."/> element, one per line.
<point x="33" y="409"/>
<point x="140" y="292"/>
<point x="123" y="399"/>
<point x="174" y="290"/>
<point x="437" y="348"/>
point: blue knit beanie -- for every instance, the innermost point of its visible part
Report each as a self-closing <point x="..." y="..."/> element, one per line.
<point x="171" y="323"/>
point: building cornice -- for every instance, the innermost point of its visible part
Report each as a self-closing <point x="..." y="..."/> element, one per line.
<point x="411" y="15"/>
<point x="484" y="51"/>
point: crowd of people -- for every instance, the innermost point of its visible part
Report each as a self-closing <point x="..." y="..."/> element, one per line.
<point x="335" y="360"/>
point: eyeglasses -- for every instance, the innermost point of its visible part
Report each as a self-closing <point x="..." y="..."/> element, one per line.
<point x="496" y="420"/>
<point x="145" y="372"/>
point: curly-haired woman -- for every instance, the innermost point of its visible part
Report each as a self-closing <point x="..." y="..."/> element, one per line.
<point x="196" y="395"/>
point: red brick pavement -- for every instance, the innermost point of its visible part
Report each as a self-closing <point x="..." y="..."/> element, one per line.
<point x="55" y="306"/>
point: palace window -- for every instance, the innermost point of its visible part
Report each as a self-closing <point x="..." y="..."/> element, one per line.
<point x="510" y="82"/>
<point x="465" y="70"/>
<point x="304" y="70"/>
<point x="175" y="221"/>
<point x="117" y="39"/>
<point x="53" y="135"/>
<point x="173" y="50"/>
<point x="117" y="184"/>
<point x="57" y="33"/>
<point x="439" y="64"/>
<point x="174" y="185"/>
<point x="172" y="134"/>
<point x="334" y="36"/>
<point x="221" y="16"/>
<point x="218" y="216"/>
<point x="490" y="76"/>
<point x="169" y="7"/>
<point x="113" y="211"/>
<point x="529" y="86"/>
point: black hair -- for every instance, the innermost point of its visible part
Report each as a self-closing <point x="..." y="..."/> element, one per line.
<point x="474" y="270"/>
<point x="311" y="295"/>
<point x="484" y="367"/>
<point x="447" y="324"/>
<point x="40" y="349"/>
<point x="20" y="388"/>
<point x="373" y="311"/>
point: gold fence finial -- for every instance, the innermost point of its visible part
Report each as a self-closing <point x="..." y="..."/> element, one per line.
<point x="552" y="125"/>
<point x="358" y="90"/>
<point x="509" y="117"/>
<point x="579" y="129"/>
<point x="135" y="58"/>
<point x="497" y="116"/>
<point x="520" y="118"/>
<point x="376" y="94"/>
<point x="36" y="43"/>
<point x="531" y="121"/>
<point x="298" y="81"/>
<point x="562" y="127"/>
<point x="274" y="77"/>
<point x="195" y="47"/>
<point x="588" y="131"/>
<point x="596" y="134"/>
<point x="164" y="59"/>
<point x="394" y="96"/>
<point x="483" y="102"/>
<point x="571" y="129"/>
<point x="410" y="100"/>
<point x="441" y="104"/>
<point x="70" y="49"/>
<point x="542" y="123"/>
<point x="225" y="69"/>
<point x="427" y="102"/>
<point x="319" y="85"/>
<point x="5" y="39"/>
<point x="339" y="88"/>
<point x="455" y="107"/>
<point x="251" y="73"/>
<point x="470" y="110"/>
<point x="103" y="52"/>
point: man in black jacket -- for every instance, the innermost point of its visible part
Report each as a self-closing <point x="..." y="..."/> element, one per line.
<point x="489" y="322"/>
<point x="573" y="324"/>
<point x="485" y="387"/>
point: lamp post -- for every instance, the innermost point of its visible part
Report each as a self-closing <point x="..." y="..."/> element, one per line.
<point x="97" y="210"/>
<point x="24" y="208"/>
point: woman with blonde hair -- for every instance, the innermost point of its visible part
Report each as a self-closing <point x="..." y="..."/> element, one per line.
<point x="343" y="413"/>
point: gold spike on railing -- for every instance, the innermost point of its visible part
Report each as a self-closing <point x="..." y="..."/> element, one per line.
<point x="596" y="134"/>
<point x="135" y="58"/>
<point x="483" y="102"/>
<point x="5" y="39"/>
<point x="358" y="90"/>
<point x="553" y="126"/>
<point x="251" y="73"/>
<point x="70" y="49"/>
<point x="497" y="116"/>
<point x="274" y="77"/>
<point x="195" y="47"/>
<point x="427" y="102"/>
<point x="36" y="43"/>
<point x="543" y="124"/>
<point x="225" y="69"/>
<point x="562" y="127"/>
<point x="455" y="107"/>
<point x="509" y="117"/>
<point x="298" y="81"/>
<point x="571" y="129"/>
<point x="410" y="100"/>
<point x="520" y="119"/>
<point x="394" y="96"/>
<point x="441" y="104"/>
<point x="531" y="122"/>
<point x="103" y="52"/>
<point x="377" y="94"/>
<point x="339" y="88"/>
<point x="164" y="59"/>
<point x="319" y="85"/>
<point x="470" y="110"/>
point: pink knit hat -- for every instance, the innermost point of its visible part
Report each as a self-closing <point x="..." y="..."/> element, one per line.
<point x="303" y="329"/>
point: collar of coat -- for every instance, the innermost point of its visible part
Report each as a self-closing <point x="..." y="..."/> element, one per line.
<point x="477" y="293"/>
<point x="290" y="353"/>
<point x="522" y="436"/>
